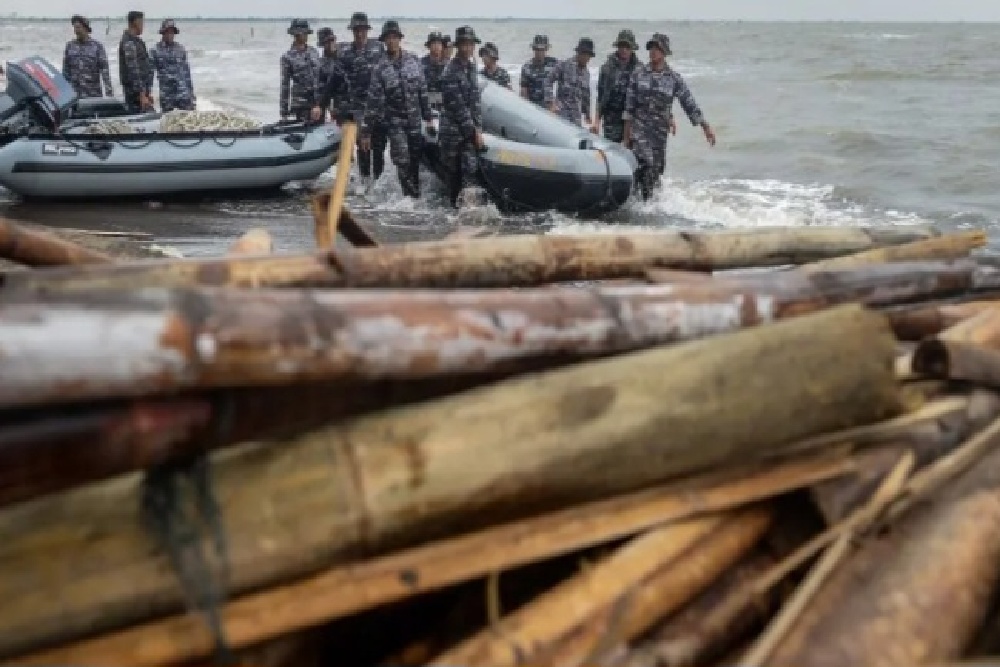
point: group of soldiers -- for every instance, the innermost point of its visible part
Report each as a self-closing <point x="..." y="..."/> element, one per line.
<point x="393" y="94"/>
<point x="85" y="66"/>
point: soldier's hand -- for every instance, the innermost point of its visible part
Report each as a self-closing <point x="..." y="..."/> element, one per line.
<point x="365" y="143"/>
<point x="478" y="139"/>
<point x="594" y="128"/>
<point x="709" y="134"/>
<point x="673" y="126"/>
<point x="315" y="113"/>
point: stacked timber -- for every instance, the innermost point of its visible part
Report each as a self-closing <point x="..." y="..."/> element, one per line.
<point x="505" y="451"/>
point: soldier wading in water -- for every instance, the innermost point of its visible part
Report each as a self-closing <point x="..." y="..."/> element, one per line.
<point x="397" y="100"/>
<point x="651" y="94"/>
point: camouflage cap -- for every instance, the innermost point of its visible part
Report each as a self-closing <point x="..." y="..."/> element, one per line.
<point x="359" y="20"/>
<point x="626" y="37"/>
<point x="540" y="42"/>
<point x="299" y="27"/>
<point x="324" y="35"/>
<point x="586" y="46"/>
<point x="168" y="25"/>
<point x="435" y="37"/>
<point x="659" y="41"/>
<point x="390" y="28"/>
<point x="82" y="20"/>
<point x="465" y="34"/>
<point x="447" y="41"/>
<point x="489" y="50"/>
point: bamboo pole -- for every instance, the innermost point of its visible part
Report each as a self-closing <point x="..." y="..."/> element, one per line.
<point x="505" y="261"/>
<point x="383" y="481"/>
<point x="347" y="225"/>
<point x="897" y="601"/>
<point x="948" y="246"/>
<point x="916" y="322"/>
<point x="36" y="248"/>
<point x="968" y="351"/>
<point x="353" y="588"/>
<point x="708" y="627"/>
<point x="73" y="347"/>
<point x="253" y="242"/>
<point x="326" y="233"/>
<point x="624" y="595"/>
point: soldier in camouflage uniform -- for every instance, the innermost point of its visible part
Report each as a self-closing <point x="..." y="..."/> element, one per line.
<point x="300" y="74"/>
<point x="648" y="103"/>
<point x="491" y="65"/>
<point x="173" y="71"/>
<point x="358" y="58"/>
<point x="612" y="86"/>
<point x="461" y="134"/>
<point x="134" y="67"/>
<point x="434" y="63"/>
<point x="335" y="89"/>
<point x="85" y="62"/>
<point x="572" y="78"/>
<point x="535" y="72"/>
<point x="397" y="100"/>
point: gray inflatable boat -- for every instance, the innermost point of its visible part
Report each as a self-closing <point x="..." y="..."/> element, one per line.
<point x="47" y="151"/>
<point x="536" y="161"/>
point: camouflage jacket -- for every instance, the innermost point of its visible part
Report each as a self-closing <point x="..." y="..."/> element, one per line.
<point x="134" y="67"/>
<point x="499" y="76"/>
<point x="573" y="96"/>
<point x="650" y="99"/>
<point x="612" y="84"/>
<point x="461" y="113"/>
<point x="172" y="71"/>
<point x="533" y="76"/>
<point x="334" y="85"/>
<point x="85" y="66"/>
<point x="300" y="79"/>
<point x="433" y="69"/>
<point x="398" y="94"/>
<point x="358" y="64"/>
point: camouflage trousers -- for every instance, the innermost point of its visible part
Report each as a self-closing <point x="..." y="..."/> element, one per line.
<point x="460" y="159"/>
<point x="372" y="160"/>
<point x="570" y="113"/>
<point x="132" y="103"/>
<point x="650" y="149"/>
<point x="614" y="128"/>
<point x="405" y="145"/>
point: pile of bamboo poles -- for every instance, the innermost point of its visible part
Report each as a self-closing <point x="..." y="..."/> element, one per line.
<point x="529" y="450"/>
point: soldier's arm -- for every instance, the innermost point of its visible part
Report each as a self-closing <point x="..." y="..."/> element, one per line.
<point x="687" y="101"/>
<point x="525" y="84"/>
<point x="425" y="102"/>
<point x="585" y="99"/>
<point x="602" y="92"/>
<point x="633" y="87"/>
<point x="375" y="105"/>
<point x="286" y="85"/>
<point x="102" y="57"/>
<point x="67" y="66"/>
<point x="505" y="78"/>
<point x="554" y="76"/>
<point x="456" y="108"/>
<point x="186" y="68"/>
<point x="132" y="69"/>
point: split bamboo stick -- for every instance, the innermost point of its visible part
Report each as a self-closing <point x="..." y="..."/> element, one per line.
<point x="968" y="351"/>
<point x="380" y="482"/>
<point x="915" y="595"/>
<point x="74" y="347"/>
<point x="505" y="261"/>
<point x="948" y="246"/>
<point x="617" y="599"/>
<point x="37" y="248"/>
<point x="353" y="588"/>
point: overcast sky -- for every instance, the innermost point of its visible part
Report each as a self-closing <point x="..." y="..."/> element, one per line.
<point x="841" y="10"/>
